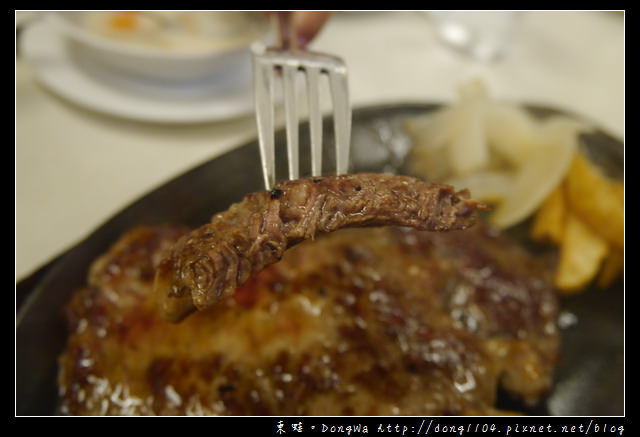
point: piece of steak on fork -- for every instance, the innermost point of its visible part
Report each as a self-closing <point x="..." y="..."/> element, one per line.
<point x="208" y="264"/>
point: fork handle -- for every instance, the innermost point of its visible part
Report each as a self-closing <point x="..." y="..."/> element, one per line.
<point x="287" y="37"/>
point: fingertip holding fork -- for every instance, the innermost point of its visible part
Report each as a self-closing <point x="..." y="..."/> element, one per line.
<point x="289" y="62"/>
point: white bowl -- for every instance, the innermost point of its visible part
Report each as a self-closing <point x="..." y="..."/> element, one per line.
<point x="165" y="53"/>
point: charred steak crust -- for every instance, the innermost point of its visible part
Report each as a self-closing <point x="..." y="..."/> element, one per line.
<point x="384" y="321"/>
<point x="208" y="264"/>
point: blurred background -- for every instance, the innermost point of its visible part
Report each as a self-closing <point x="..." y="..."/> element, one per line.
<point x="102" y="118"/>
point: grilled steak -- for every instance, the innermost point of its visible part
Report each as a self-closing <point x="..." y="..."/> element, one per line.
<point x="377" y="321"/>
<point x="211" y="262"/>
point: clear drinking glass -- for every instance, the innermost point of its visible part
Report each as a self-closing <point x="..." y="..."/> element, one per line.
<point x="484" y="35"/>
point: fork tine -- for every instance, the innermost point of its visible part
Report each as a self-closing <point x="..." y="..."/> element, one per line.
<point x="315" y="120"/>
<point x="291" y="113"/>
<point x="265" y="63"/>
<point x="263" y="90"/>
<point x="341" y="118"/>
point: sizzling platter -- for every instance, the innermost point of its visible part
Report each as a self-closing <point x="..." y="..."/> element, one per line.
<point x="588" y="380"/>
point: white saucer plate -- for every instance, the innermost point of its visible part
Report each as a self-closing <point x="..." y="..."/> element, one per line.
<point x="59" y="66"/>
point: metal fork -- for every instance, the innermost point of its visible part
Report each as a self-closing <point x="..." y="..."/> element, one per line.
<point x="284" y="63"/>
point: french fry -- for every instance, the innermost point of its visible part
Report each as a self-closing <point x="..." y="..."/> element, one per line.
<point x="612" y="267"/>
<point x="618" y="190"/>
<point x="595" y="199"/>
<point x="548" y="223"/>
<point x="581" y="254"/>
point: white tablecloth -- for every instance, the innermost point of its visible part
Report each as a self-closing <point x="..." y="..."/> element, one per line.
<point x="75" y="168"/>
